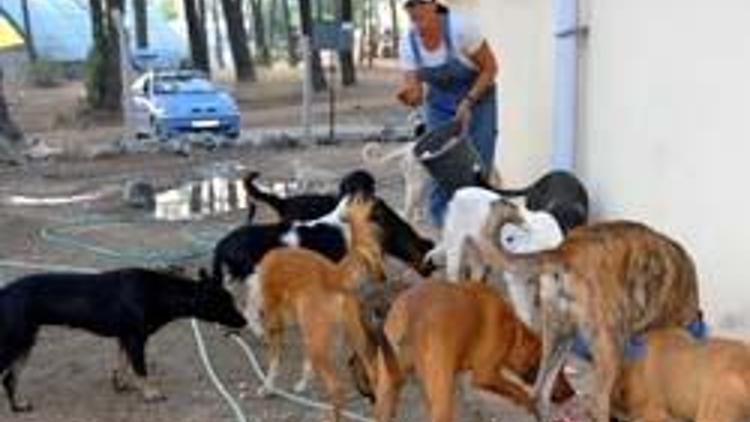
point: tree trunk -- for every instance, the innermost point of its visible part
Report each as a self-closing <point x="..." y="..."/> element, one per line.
<point x="260" y="32"/>
<point x="10" y="136"/>
<point x="346" y="57"/>
<point x="272" y="13"/>
<point x="218" y="36"/>
<point x="112" y="99"/>
<point x="395" y="29"/>
<point x="371" y="34"/>
<point x="318" y="78"/>
<point x="95" y="67"/>
<point x="28" y="31"/>
<point x="8" y="128"/>
<point x="141" y="23"/>
<point x="291" y="37"/>
<point x="243" y="62"/>
<point x="197" y="34"/>
<point x="103" y="79"/>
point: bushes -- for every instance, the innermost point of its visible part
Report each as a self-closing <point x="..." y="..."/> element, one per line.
<point x="46" y="74"/>
<point x="94" y="74"/>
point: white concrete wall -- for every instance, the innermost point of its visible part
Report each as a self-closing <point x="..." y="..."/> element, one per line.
<point x="520" y="34"/>
<point x="666" y="130"/>
<point x="665" y="123"/>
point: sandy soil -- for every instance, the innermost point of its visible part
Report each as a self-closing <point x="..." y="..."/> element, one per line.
<point x="68" y="373"/>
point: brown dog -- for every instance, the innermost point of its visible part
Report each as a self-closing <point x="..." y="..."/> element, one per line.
<point x="298" y="285"/>
<point x="439" y="329"/>
<point x="605" y="282"/>
<point x="686" y="379"/>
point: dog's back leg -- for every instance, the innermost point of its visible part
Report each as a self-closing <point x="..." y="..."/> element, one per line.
<point x="388" y="387"/>
<point x="491" y="379"/>
<point x="438" y="382"/>
<point x="135" y="349"/>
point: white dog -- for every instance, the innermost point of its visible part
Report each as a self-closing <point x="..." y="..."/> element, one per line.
<point x="414" y="174"/>
<point x="466" y="214"/>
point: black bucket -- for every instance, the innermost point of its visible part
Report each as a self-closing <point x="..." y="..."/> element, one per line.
<point x="450" y="157"/>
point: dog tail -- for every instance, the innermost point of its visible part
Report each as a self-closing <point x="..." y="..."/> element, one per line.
<point x="374" y="156"/>
<point x="375" y="305"/>
<point x="272" y="200"/>
<point x="507" y="193"/>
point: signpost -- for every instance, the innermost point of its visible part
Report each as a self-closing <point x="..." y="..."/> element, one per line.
<point x="332" y="36"/>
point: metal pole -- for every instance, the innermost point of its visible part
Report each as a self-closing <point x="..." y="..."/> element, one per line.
<point x="332" y="91"/>
<point x="29" y="39"/>
<point x="306" y="88"/>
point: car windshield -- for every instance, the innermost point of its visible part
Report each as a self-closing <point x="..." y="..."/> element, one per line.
<point x="182" y="83"/>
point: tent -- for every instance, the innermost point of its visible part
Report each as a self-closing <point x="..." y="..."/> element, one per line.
<point x="62" y="28"/>
<point x="10" y="36"/>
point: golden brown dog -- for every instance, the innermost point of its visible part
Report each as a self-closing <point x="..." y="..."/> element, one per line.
<point x="606" y="282"/>
<point x="298" y="285"/>
<point x="687" y="379"/>
<point x="438" y="330"/>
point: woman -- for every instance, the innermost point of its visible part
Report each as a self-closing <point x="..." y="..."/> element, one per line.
<point x="445" y="51"/>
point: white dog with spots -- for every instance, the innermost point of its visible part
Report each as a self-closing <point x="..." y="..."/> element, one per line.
<point x="465" y="216"/>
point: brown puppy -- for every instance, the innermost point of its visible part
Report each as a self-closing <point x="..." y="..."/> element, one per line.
<point x="298" y="285"/>
<point x="439" y="329"/>
<point x="605" y="282"/>
<point x="686" y="379"/>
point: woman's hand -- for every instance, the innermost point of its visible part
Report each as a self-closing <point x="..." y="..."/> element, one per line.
<point x="410" y="92"/>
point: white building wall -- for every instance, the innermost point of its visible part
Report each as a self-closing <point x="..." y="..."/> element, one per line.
<point x="665" y="123"/>
<point x="519" y="32"/>
<point x="666" y="131"/>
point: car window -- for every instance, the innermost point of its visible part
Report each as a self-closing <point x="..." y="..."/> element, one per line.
<point x="182" y="83"/>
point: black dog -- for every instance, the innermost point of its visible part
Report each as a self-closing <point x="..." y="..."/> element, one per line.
<point x="128" y="304"/>
<point x="558" y="192"/>
<point x="244" y="247"/>
<point x="311" y="206"/>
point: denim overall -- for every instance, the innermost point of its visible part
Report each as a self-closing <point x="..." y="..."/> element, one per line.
<point x="448" y="84"/>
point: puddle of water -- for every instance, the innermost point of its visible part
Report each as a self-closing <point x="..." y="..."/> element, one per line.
<point x="25" y="200"/>
<point x="213" y="196"/>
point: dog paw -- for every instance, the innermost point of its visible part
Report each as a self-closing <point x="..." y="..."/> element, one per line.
<point x="265" y="391"/>
<point x="153" y="395"/>
<point x="21" y="406"/>
<point x="300" y="386"/>
<point x="120" y="382"/>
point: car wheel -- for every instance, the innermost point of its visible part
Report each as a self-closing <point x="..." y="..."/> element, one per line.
<point x="157" y="131"/>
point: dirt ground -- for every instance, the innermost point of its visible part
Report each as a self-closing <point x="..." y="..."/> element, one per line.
<point x="67" y="376"/>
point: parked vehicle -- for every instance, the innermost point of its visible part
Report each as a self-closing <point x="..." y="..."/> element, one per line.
<point x="170" y="103"/>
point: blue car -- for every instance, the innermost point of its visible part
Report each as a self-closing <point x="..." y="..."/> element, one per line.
<point x="166" y="104"/>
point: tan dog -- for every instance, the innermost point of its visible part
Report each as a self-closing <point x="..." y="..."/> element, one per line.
<point x="686" y="379"/>
<point x="605" y="282"/>
<point x="302" y="286"/>
<point x="438" y="330"/>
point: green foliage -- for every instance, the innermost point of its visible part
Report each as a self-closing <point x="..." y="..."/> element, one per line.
<point x="95" y="73"/>
<point x="168" y="8"/>
<point x="45" y="73"/>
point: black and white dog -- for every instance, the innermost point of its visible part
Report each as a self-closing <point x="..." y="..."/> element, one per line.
<point x="311" y="206"/>
<point x="559" y="193"/>
<point x="127" y="304"/>
<point x="242" y="249"/>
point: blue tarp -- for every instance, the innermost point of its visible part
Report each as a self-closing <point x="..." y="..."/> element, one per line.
<point x="62" y="28"/>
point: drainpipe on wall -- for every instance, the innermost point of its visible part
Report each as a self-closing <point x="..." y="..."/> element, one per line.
<point x="565" y="112"/>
